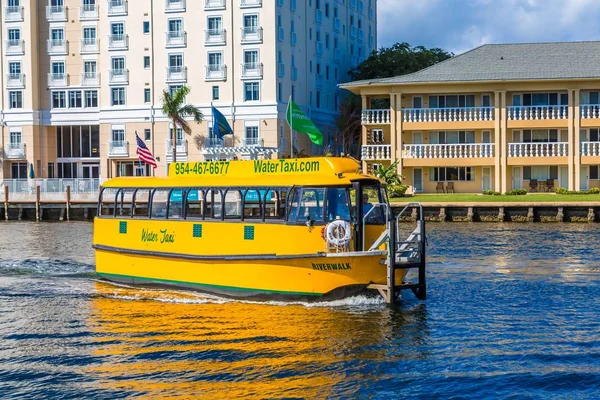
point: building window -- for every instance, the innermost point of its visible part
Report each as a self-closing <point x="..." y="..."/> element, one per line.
<point x="251" y="91"/>
<point x="15" y="138"/>
<point x="14" y="35"/>
<point x="90" y="69"/>
<point x="89" y="36"/>
<point x="91" y="98"/>
<point x="250" y="23"/>
<point x="174" y="88"/>
<point x="118" y="135"/>
<point x="15" y="99"/>
<point x="146" y="27"/>
<point x="147" y="134"/>
<point x="18" y="170"/>
<point x="50" y="170"/>
<point x="59" y="100"/>
<point x="147" y="62"/>
<point x="118" y="96"/>
<point x="75" y="99"/>
<point x="215" y="93"/>
<point x="118" y="30"/>
<point x="451" y="174"/>
<point x="147" y="97"/>
<point x="251" y="136"/>
<point x="279" y="92"/>
<point x="318" y="99"/>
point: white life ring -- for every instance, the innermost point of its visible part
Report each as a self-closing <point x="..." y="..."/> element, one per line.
<point x="338" y="233"/>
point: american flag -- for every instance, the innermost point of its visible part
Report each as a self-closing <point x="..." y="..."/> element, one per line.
<point x="144" y="153"/>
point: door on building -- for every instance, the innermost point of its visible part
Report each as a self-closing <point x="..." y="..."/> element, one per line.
<point x="486" y="178"/>
<point x="418" y="179"/>
<point x="91" y="171"/>
<point x="417" y="138"/>
<point x="563" y="177"/>
<point x="584" y="178"/>
<point x="517" y="178"/>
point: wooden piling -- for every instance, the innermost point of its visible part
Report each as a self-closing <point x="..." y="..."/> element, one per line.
<point x="37" y="203"/>
<point x="6" y="203"/>
<point x="68" y="202"/>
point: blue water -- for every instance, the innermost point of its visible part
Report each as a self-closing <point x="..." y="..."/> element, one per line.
<point x="512" y="313"/>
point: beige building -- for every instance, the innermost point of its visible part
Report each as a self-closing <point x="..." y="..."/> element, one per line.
<point x="499" y="117"/>
<point x="80" y="77"/>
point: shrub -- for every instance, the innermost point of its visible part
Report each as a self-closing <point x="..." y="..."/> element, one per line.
<point x="397" y="190"/>
<point x="561" y="190"/>
<point x="565" y="191"/>
<point x="594" y="191"/>
<point x="517" y="192"/>
<point x="491" y="193"/>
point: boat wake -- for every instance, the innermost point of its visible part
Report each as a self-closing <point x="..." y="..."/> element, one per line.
<point x="39" y="267"/>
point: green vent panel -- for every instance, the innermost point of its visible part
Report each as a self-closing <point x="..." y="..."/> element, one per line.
<point x="248" y="233"/>
<point x="123" y="227"/>
<point x="197" y="231"/>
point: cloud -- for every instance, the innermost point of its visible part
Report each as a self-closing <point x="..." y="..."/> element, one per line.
<point x="460" y="25"/>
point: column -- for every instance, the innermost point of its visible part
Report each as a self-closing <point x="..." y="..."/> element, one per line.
<point x="393" y="117"/>
<point x="503" y="144"/>
<point x="364" y="131"/>
<point x="398" y="132"/>
<point x="570" y="162"/>
<point x="497" y="147"/>
<point x="576" y="139"/>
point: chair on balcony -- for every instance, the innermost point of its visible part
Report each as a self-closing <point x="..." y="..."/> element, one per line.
<point x="450" y="187"/>
<point x="440" y="186"/>
<point x="550" y="185"/>
<point x="533" y="185"/>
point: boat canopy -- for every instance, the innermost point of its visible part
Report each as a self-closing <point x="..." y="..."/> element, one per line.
<point x="321" y="171"/>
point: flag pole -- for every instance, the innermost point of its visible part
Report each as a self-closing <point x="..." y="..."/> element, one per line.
<point x="139" y="160"/>
<point x="291" y="127"/>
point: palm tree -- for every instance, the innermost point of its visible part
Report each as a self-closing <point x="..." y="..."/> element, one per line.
<point x="174" y="107"/>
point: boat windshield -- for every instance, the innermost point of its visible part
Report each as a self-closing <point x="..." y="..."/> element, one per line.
<point x="373" y="195"/>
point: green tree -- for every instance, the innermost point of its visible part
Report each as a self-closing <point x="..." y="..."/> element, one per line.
<point x="348" y="123"/>
<point x="174" y="107"/>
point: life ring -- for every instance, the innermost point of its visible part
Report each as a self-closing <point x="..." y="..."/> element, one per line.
<point x="338" y="233"/>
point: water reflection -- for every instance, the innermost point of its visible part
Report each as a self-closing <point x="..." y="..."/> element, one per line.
<point x="161" y="343"/>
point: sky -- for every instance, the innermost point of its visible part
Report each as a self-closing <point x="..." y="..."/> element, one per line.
<point x="460" y="25"/>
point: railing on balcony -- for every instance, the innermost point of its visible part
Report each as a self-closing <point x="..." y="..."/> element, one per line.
<point x="174" y="5"/>
<point x="181" y="146"/>
<point x="252" y="34"/>
<point x="252" y="142"/>
<point x="376" y="152"/>
<point x="590" y="111"/>
<point x="118" y="148"/>
<point x="15" y="151"/>
<point x="518" y="113"/>
<point x="555" y="149"/>
<point x="15" y="46"/>
<point x="381" y="116"/>
<point x="58" y="79"/>
<point x="216" y="72"/>
<point x="214" y="4"/>
<point x="213" y="142"/>
<point x="13" y="13"/>
<point x="177" y="74"/>
<point x="455" y="114"/>
<point x="461" y="150"/>
<point x="90" y="79"/>
<point x="57" y="46"/>
<point x="119" y="76"/>
<point x="117" y="7"/>
<point x="90" y="45"/>
<point x="118" y="42"/>
<point x="176" y="38"/>
<point x="250" y="3"/>
<point x="56" y="13"/>
<point x="15" y="80"/>
<point x="88" y="11"/>
<point x="215" y="36"/>
<point x="50" y="187"/>
<point x="590" y="149"/>
<point x="252" y="70"/>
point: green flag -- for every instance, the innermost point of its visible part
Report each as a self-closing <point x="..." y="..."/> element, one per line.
<point x="301" y="123"/>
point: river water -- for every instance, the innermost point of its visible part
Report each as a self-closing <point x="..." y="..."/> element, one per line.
<point x="512" y="313"/>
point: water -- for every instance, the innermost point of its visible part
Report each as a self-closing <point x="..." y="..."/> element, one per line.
<point x="512" y="313"/>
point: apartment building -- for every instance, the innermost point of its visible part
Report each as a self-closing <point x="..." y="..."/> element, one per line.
<point x="499" y="117"/>
<point x="80" y="77"/>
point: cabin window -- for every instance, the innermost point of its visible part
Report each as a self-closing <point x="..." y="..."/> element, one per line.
<point x="107" y="202"/>
<point x="194" y="203"/>
<point x="126" y="201"/>
<point x="213" y="204"/>
<point x="370" y="198"/>
<point x="233" y="204"/>
<point x="337" y="204"/>
<point x="252" y="203"/>
<point x="307" y="204"/>
<point x="141" y="203"/>
<point x="176" y="203"/>
<point x="160" y="199"/>
<point x="274" y="204"/>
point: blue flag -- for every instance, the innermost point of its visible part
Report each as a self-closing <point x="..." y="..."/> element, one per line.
<point x="220" y="125"/>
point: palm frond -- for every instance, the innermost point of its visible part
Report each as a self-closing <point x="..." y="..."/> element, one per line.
<point x="189" y="110"/>
<point x="180" y="95"/>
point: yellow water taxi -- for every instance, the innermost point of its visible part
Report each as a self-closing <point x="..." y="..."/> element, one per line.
<point x="297" y="229"/>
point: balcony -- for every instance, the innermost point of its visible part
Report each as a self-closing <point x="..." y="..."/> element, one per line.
<point x="58" y="79"/>
<point x="89" y="46"/>
<point x="216" y="72"/>
<point x="118" y="77"/>
<point x="214" y="4"/>
<point x="90" y="79"/>
<point x="461" y="114"/>
<point x="376" y="117"/>
<point x="15" y="81"/>
<point x="252" y="34"/>
<point x="213" y="142"/>
<point x="56" y="13"/>
<point x="589" y="111"/>
<point x="462" y="150"/>
<point x="336" y="24"/>
<point x="252" y="142"/>
<point x="318" y="16"/>
<point x="590" y="149"/>
<point x="117" y="7"/>
<point x="176" y="74"/>
<point x="556" y="149"/>
<point x="15" y="47"/>
<point x="252" y="70"/>
<point x="88" y="12"/>
<point x="58" y="46"/>
<point x="293" y="38"/>
<point x="118" y="148"/>
<point x="374" y="152"/>
<point x="525" y="113"/>
<point x="174" y="5"/>
<point x="118" y="42"/>
<point x="181" y="147"/>
<point x="15" y="151"/>
<point x="13" y="13"/>
<point x="215" y="37"/>
<point x="319" y="48"/>
<point x="250" y="3"/>
<point x="176" y="39"/>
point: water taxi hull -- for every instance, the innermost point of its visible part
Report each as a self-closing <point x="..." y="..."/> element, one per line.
<point x="302" y="277"/>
